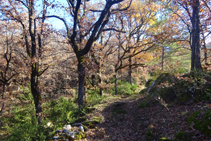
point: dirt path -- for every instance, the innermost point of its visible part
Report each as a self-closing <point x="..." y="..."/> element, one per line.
<point x="125" y="121"/>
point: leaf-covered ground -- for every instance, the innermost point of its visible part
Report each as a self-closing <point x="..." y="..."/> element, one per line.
<point x="122" y="119"/>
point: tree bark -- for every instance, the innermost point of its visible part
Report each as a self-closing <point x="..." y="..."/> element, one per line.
<point x="130" y="71"/>
<point x="81" y="77"/>
<point x="196" y="52"/>
<point x="116" y="84"/>
<point x="36" y="91"/>
<point x="4" y="91"/>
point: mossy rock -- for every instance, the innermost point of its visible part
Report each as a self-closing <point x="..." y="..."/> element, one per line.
<point x="164" y="86"/>
<point x="149" y="82"/>
<point x="182" y="136"/>
<point x="201" y="121"/>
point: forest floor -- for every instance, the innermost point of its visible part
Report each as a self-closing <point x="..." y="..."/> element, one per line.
<point x="123" y="120"/>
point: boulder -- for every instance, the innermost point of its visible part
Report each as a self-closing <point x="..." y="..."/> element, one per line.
<point x="164" y="87"/>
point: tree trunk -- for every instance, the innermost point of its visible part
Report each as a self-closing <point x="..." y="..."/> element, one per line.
<point x="93" y="80"/>
<point x="36" y="91"/>
<point x="99" y="78"/>
<point x="81" y="77"/>
<point x="130" y="71"/>
<point x="1" y="112"/>
<point x="115" y="76"/>
<point x="99" y="81"/>
<point x="4" y="91"/>
<point x="196" y="54"/>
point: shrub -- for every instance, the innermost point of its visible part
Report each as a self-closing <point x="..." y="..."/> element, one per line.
<point x="94" y="97"/>
<point x="23" y="124"/>
<point x="125" y="88"/>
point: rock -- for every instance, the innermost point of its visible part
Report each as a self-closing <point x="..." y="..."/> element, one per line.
<point x="69" y="133"/>
<point x="81" y="128"/>
<point x="58" y="131"/>
<point x="164" y="87"/>
<point x="56" y="138"/>
<point x="68" y="127"/>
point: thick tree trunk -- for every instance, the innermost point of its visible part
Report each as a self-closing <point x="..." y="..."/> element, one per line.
<point x="36" y="91"/>
<point x="130" y="71"/>
<point x="81" y="77"/>
<point x="195" y="48"/>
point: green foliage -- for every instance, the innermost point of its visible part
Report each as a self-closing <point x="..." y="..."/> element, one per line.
<point x="124" y="88"/>
<point x="201" y="121"/>
<point x="23" y="124"/>
<point x="94" y="97"/>
<point x="26" y="93"/>
<point x="61" y="111"/>
<point x="178" y="70"/>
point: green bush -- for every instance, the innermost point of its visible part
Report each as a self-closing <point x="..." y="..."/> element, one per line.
<point x="94" y="97"/>
<point x="23" y="124"/>
<point x="61" y="111"/>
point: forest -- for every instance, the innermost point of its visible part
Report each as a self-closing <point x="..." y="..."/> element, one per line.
<point x="105" y="70"/>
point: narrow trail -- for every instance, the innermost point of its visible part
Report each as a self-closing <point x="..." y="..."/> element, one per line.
<point x="125" y="121"/>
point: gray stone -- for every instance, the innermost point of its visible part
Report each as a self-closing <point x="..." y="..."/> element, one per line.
<point x="69" y="133"/>
<point x="56" y="138"/>
<point x="68" y="127"/>
<point x="58" y="131"/>
<point x="81" y="128"/>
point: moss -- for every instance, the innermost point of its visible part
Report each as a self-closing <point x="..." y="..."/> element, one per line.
<point x="202" y="121"/>
<point x="184" y="97"/>
<point x="80" y="58"/>
<point x="96" y="119"/>
<point x="181" y="136"/>
<point x="86" y="128"/>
